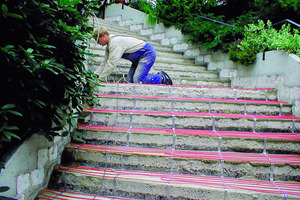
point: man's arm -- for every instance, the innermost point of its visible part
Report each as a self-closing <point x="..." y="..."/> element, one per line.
<point x="114" y="54"/>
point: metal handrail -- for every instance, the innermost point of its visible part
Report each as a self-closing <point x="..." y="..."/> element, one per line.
<point x="281" y="22"/>
<point x="222" y="23"/>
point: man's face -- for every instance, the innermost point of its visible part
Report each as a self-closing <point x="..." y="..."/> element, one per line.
<point x="103" y="39"/>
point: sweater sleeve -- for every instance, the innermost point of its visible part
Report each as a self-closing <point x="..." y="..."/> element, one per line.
<point x="113" y="55"/>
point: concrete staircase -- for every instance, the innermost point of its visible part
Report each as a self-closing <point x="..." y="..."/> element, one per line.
<point x="197" y="139"/>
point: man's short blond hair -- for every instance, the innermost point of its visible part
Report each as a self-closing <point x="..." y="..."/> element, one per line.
<point x="98" y="32"/>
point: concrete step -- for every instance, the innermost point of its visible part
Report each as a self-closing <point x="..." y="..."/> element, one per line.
<point x="206" y="79"/>
<point x="147" y="33"/>
<point x="157" y="46"/>
<point x="175" y="66"/>
<point x="178" y="69"/>
<point x="176" y="74"/>
<point x="181" y="75"/>
<point x="172" y="67"/>
<point x="113" y="28"/>
<point x="68" y="195"/>
<point x="182" y="67"/>
<point x="116" y="30"/>
<point x="267" y="94"/>
<point x="117" y="77"/>
<point x="154" y="185"/>
<point x="190" y="139"/>
<point x="210" y="163"/>
<point x="195" y="120"/>
<point x="210" y="105"/>
<point x="96" y="49"/>
<point x="163" y="57"/>
<point x="106" y="23"/>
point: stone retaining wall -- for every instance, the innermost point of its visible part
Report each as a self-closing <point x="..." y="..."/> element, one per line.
<point x="28" y="169"/>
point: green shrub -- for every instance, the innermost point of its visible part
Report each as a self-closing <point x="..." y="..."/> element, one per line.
<point x="43" y="77"/>
<point x="146" y="7"/>
<point x="213" y="35"/>
<point x="186" y="15"/>
<point x="142" y="5"/>
<point x="260" y="40"/>
<point x="173" y="12"/>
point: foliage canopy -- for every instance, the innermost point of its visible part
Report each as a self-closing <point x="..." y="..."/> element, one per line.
<point x="43" y="78"/>
<point x="190" y="16"/>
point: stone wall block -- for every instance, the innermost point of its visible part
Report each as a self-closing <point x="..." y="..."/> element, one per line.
<point x="165" y="42"/>
<point x="158" y="36"/>
<point x="207" y="58"/>
<point x="114" y="19"/>
<point x="125" y="23"/>
<point x="297" y="107"/>
<point x="228" y="73"/>
<point x="199" y="60"/>
<point x="23" y="183"/>
<point x="144" y="32"/>
<point x="37" y="177"/>
<point x="180" y="47"/>
<point x="136" y="27"/>
<point x="191" y="53"/>
<point x="214" y="66"/>
<point x="42" y="157"/>
<point x="173" y="41"/>
<point x="53" y="152"/>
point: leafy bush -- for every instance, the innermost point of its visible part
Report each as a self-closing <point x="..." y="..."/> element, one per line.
<point x="142" y="5"/>
<point x="146" y="7"/>
<point x="173" y="12"/>
<point x="260" y="40"/>
<point x="43" y="78"/>
<point x="209" y="35"/>
<point x="188" y="16"/>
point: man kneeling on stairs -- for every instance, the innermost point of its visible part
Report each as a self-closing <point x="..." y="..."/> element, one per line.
<point x="140" y="53"/>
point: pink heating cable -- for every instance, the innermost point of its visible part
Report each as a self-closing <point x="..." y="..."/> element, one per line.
<point x="197" y="114"/>
<point x="200" y="155"/>
<point x="183" y="179"/>
<point x="66" y="195"/>
<point x="193" y="132"/>
<point x="189" y="86"/>
<point x="196" y="99"/>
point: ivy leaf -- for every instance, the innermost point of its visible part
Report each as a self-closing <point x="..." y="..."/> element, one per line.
<point x="9" y="135"/>
<point x="73" y="122"/>
<point x="13" y="15"/>
<point x="7" y="48"/>
<point x="4" y="189"/>
<point x="15" y="113"/>
<point x="78" y="137"/>
<point x="4" y="8"/>
<point x="8" y="106"/>
<point x="11" y="128"/>
<point x="69" y="2"/>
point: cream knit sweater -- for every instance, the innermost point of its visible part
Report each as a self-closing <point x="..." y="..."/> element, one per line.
<point x="117" y="46"/>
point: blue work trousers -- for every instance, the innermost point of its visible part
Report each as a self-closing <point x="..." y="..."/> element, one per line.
<point x="142" y="61"/>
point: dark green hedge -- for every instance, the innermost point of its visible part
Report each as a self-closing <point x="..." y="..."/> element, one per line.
<point x="187" y="16"/>
<point x="43" y="80"/>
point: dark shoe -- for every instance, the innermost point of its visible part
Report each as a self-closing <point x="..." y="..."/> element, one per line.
<point x="166" y="78"/>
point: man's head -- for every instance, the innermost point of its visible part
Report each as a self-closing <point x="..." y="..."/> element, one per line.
<point x="101" y="36"/>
